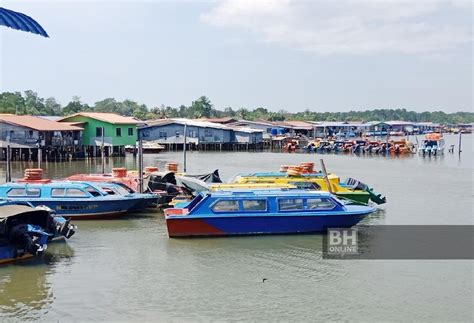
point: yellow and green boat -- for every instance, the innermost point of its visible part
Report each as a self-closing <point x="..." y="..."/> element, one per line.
<point x="250" y="186"/>
<point x="353" y="190"/>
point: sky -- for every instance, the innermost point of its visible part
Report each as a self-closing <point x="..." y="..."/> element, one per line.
<point x="279" y="54"/>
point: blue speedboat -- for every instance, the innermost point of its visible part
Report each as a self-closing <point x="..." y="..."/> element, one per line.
<point x="262" y="212"/>
<point x="25" y="230"/>
<point x="78" y="200"/>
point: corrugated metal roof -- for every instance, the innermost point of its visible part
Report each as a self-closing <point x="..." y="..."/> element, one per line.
<point x="106" y="117"/>
<point x="302" y="125"/>
<point x="189" y="122"/>
<point x="398" y="123"/>
<point x="427" y="124"/>
<point x="256" y="122"/>
<point x="37" y="123"/>
<point x="50" y="118"/>
<point x="219" y="120"/>
<point x="246" y="129"/>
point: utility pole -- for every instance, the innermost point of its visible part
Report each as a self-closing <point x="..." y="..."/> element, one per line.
<point x="184" y="146"/>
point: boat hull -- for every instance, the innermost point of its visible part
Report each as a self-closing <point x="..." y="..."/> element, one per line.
<point x="228" y="226"/>
<point x="361" y="198"/>
<point x="7" y="255"/>
<point x="90" y="208"/>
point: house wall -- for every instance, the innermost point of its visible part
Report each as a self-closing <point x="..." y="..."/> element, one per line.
<point x="110" y="132"/>
<point x="204" y="135"/>
<point x="245" y="137"/>
<point x="265" y="128"/>
<point x="19" y="135"/>
<point x="25" y="136"/>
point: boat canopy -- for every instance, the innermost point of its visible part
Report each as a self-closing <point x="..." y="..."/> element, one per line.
<point x="9" y="212"/>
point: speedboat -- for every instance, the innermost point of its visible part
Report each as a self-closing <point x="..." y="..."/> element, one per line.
<point x="353" y="190"/>
<point x="148" y="147"/>
<point x="25" y="231"/>
<point x="227" y="213"/>
<point x="432" y="145"/>
<point x="118" y="175"/>
<point x="78" y="200"/>
<point x="401" y="147"/>
<point x="149" y="200"/>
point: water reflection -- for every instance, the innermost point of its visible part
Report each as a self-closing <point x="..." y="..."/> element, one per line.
<point x="25" y="292"/>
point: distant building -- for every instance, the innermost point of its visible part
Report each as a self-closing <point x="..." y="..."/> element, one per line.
<point x="171" y="132"/>
<point x="265" y="126"/>
<point x="396" y="127"/>
<point x="119" y="131"/>
<point x="247" y="135"/>
<point x="297" y="127"/>
<point x="423" y="127"/>
<point x="26" y="134"/>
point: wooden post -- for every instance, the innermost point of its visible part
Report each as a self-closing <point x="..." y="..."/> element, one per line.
<point x="9" y="166"/>
<point x="140" y="165"/>
<point x="326" y="178"/>
<point x="102" y="150"/>
<point x="184" y="146"/>
<point x="40" y="155"/>
<point x="459" y="148"/>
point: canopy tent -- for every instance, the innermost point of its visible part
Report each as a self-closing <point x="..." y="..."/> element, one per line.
<point x="20" y="21"/>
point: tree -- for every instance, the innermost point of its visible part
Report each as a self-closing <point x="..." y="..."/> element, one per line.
<point x="110" y="105"/>
<point x="34" y="105"/>
<point x="75" y="106"/>
<point x="52" y="107"/>
<point x="12" y="102"/>
<point x="228" y="112"/>
<point x="31" y="103"/>
<point x="201" y="108"/>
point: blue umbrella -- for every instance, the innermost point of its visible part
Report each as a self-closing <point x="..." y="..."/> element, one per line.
<point x="19" y="21"/>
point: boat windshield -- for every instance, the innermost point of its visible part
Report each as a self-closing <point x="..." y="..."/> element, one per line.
<point x="114" y="190"/>
<point x="194" y="202"/>
<point x="93" y="191"/>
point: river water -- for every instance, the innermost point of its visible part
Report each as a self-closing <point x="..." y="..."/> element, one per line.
<point x="129" y="270"/>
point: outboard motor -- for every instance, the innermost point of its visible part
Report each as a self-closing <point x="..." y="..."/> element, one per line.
<point x="358" y="185"/>
<point x="62" y="227"/>
<point x="368" y="148"/>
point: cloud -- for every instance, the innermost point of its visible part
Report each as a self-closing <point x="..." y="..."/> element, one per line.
<point x="350" y="27"/>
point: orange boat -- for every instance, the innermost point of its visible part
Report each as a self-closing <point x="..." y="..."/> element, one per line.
<point x="401" y="147"/>
<point x="118" y="175"/>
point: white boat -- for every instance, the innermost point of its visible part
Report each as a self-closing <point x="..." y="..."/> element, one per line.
<point x="432" y="145"/>
<point x="149" y="147"/>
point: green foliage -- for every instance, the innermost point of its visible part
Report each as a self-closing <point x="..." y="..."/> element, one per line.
<point x="30" y="103"/>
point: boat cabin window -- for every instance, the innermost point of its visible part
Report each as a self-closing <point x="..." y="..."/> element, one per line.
<point x="58" y="192"/>
<point x="306" y="185"/>
<point x="254" y="205"/>
<point x="320" y="204"/>
<point x="16" y="192"/>
<point x="93" y="191"/>
<point x="108" y="190"/>
<point x="194" y="202"/>
<point x="30" y="191"/>
<point x="290" y="204"/>
<point x="226" y="206"/>
<point x="75" y="192"/>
